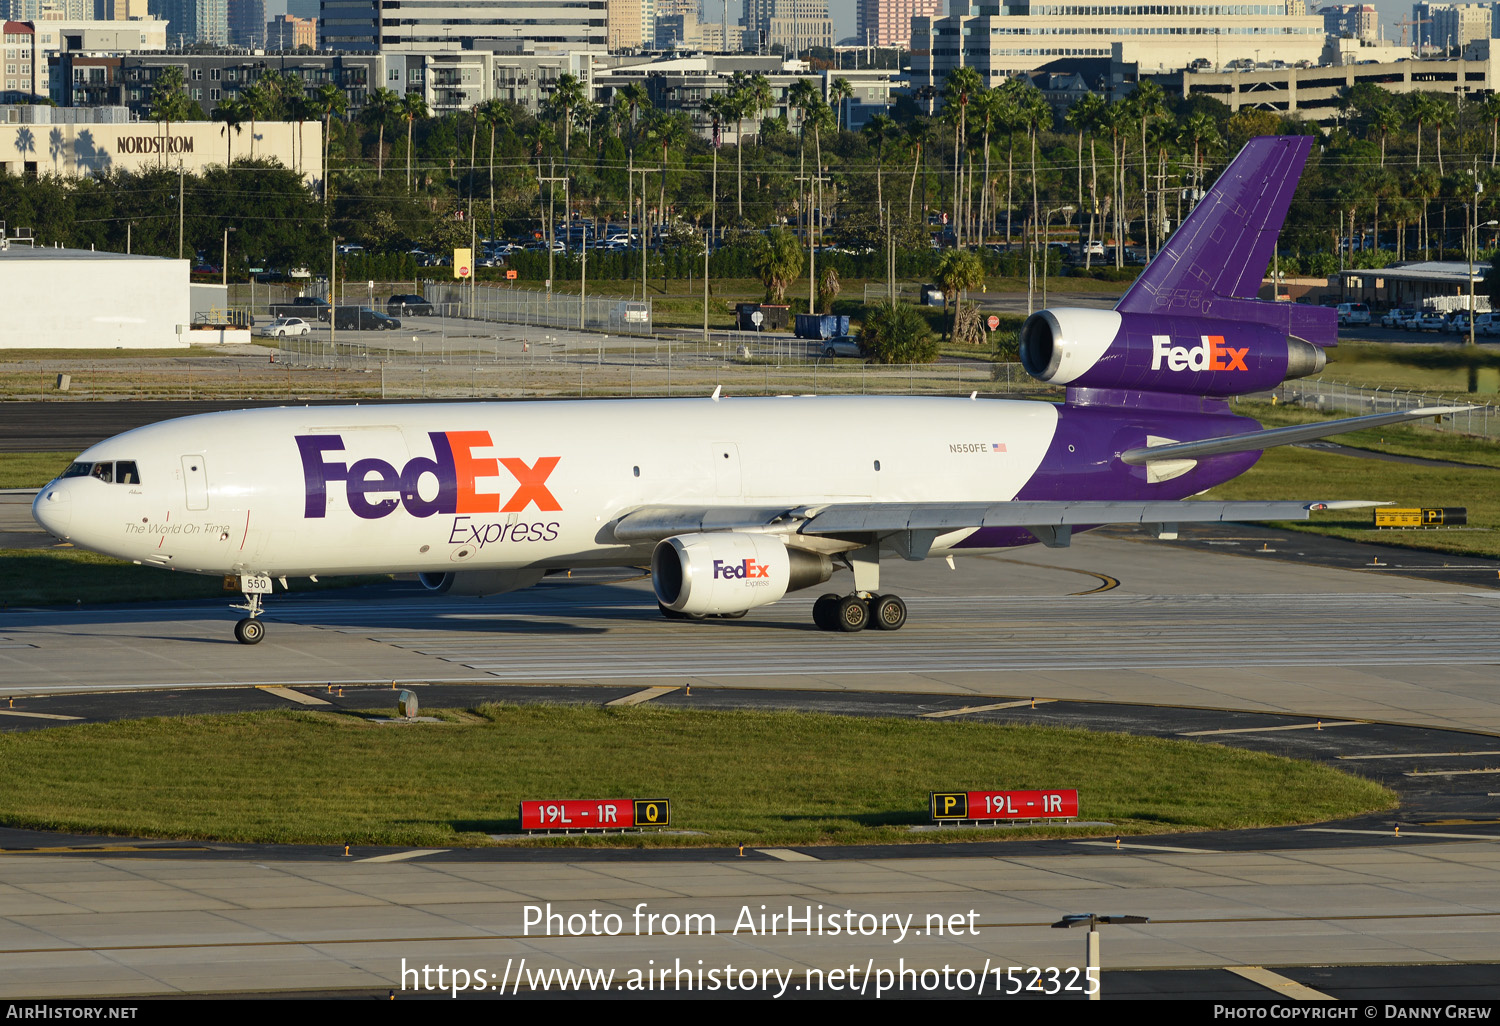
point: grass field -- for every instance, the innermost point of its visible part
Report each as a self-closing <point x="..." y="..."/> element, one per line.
<point x="31" y="469"/>
<point x="1294" y="473"/>
<point x="738" y="777"/>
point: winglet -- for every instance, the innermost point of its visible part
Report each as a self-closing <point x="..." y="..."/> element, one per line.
<point x="717" y="390"/>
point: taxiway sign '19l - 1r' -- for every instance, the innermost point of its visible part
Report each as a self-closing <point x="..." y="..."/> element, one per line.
<point x="737" y="501"/>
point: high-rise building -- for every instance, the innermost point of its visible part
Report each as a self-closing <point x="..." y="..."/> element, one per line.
<point x="540" y="26"/>
<point x="1450" y="27"/>
<point x="1352" y="21"/>
<point x="291" y="33"/>
<point x="625" y="24"/>
<point x="247" y="22"/>
<point x="1027" y="35"/>
<point x="193" y="21"/>
<point x="791" y="25"/>
<point x="305" y="9"/>
<point x="888" y="22"/>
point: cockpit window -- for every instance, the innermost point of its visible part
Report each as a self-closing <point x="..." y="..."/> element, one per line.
<point x="105" y="472"/>
<point x="78" y="470"/>
<point x="125" y="473"/>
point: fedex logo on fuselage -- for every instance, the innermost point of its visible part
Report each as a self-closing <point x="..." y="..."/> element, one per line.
<point x="374" y="488"/>
<point x="745" y="568"/>
<point x="1210" y="354"/>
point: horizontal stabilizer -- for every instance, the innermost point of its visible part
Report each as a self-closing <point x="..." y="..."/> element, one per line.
<point x="1255" y="441"/>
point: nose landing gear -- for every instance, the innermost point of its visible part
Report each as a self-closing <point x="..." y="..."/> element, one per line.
<point x="250" y="630"/>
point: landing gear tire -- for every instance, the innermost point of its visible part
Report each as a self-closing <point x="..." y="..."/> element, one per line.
<point x="887" y="613"/>
<point x="249" y="631"/>
<point x="825" y="612"/>
<point x="733" y="616"/>
<point x="853" y="614"/>
<point x="672" y="614"/>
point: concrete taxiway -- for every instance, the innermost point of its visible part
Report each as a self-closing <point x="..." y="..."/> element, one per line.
<point x="1108" y="619"/>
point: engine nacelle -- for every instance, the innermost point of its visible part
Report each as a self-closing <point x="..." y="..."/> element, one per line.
<point x="1182" y="355"/>
<point x="701" y="574"/>
<point x="480" y="582"/>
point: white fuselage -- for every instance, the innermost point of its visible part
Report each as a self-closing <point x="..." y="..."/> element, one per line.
<point x="523" y="484"/>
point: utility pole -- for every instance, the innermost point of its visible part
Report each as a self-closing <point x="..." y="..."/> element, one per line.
<point x="814" y="182"/>
<point x="179" y="209"/>
<point x="552" y="221"/>
<point x="643" y="172"/>
<point x="713" y="225"/>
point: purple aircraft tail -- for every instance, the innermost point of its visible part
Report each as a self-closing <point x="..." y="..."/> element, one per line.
<point x="1214" y="263"/>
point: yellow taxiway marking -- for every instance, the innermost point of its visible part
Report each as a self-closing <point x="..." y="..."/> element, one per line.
<point x="1418" y="755"/>
<point x="1263" y="730"/>
<point x="95" y="848"/>
<point x="402" y="856"/>
<point x="1149" y="847"/>
<point x="292" y="696"/>
<point x="1448" y="773"/>
<point x="642" y="696"/>
<point x="943" y="714"/>
<point x="787" y="855"/>
<point x="37" y="716"/>
<point x="1280" y="984"/>
<point x="1413" y="833"/>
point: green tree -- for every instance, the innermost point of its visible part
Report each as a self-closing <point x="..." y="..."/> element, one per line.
<point x="382" y="108"/>
<point x="413" y="108"/>
<point x="897" y="333"/>
<point x="958" y="272"/>
<point x="169" y="101"/>
<point x="232" y="113"/>
<point x="880" y="130"/>
<point x="777" y="259"/>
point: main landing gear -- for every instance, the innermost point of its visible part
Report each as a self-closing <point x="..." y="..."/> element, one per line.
<point x="250" y="630"/>
<point x="850" y="613"/>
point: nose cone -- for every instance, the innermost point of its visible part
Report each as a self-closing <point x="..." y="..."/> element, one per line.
<point x="53" y="509"/>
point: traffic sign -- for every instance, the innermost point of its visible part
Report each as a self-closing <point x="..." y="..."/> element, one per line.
<point x="510" y="275"/>
<point x="953" y="806"/>
<point x="757" y="318"/>
<point x="993" y="322"/>
<point x="595" y="814"/>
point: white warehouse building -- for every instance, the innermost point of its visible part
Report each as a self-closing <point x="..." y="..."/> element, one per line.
<point x="88" y="300"/>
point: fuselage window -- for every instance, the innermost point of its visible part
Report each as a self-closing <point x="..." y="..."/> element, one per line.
<point x="105" y="472"/>
<point x="125" y="473"/>
<point x="78" y="470"/>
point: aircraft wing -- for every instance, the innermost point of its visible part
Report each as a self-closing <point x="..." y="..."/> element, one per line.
<point x="885" y="518"/>
<point x="1255" y="440"/>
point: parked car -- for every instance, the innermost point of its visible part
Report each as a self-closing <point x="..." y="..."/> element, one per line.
<point x="362" y="318"/>
<point x="1396" y="317"/>
<point x="1353" y="313"/>
<point x="408" y="304"/>
<point x="283" y="326"/>
<point x="306" y="307"/>
<point x="843" y="345"/>
<point x="631" y="312"/>
<point x="1428" y="320"/>
<point x="1487" y="324"/>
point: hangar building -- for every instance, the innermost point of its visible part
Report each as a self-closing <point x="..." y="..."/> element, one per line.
<point x="79" y="299"/>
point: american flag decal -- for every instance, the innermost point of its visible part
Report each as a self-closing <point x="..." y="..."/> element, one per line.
<point x="998" y="447"/>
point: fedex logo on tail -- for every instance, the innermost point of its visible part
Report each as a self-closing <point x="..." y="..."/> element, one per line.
<point x="1210" y="354"/>
<point x="374" y="488"/>
<point x="747" y="568"/>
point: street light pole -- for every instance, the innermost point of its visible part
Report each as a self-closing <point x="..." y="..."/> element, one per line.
<point x="1091" y="943"/>
<point x="225" y="267"/>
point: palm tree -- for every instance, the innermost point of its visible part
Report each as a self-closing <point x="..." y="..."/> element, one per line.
<point x="1147" y="105"/>
<point x="330" y="100"/>
<point x="567" y="95"/>
<point x="671" y="130"/>
<point x="959" y="271"/>
<point x="264" y="101"/>
<point x="1085" y="116"/>
<point x="169" y="101"/>
<point x="1420" y="108"/>
<point x="838" y="92"/>
<point x="878" y="131"/>
<point x="1114" y="118"/>
<point x="1201" y="132"/>
<point x="494" y="113"/>
<point x="918" y="132"/>
<point x="1441" y="116"/>
<point x="232" y="112"/>
<point x="1390" y="119"/>
<point x="382" y="107"/>
<point x="413" y="106"/>
<point x="963" y="85"/>
<point x="1036" y="112"/>
<point x="1490" y="111"/>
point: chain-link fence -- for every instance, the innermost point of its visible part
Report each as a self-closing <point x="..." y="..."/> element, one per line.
<point x="540" y="308"/>
<point x="1334" y="397"/>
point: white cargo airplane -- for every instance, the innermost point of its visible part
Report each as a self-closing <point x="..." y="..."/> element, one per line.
<point x="736" y="501"/>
